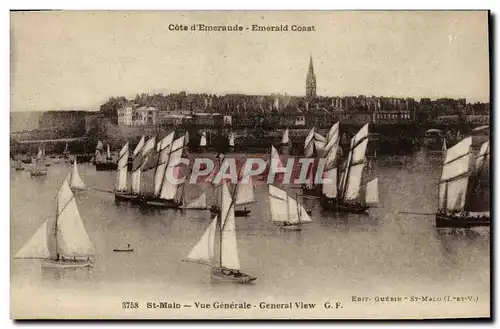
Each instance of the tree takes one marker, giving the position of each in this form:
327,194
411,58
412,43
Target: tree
110,108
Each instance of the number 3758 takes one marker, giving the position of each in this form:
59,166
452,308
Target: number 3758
130,305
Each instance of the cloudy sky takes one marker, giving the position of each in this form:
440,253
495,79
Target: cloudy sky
63,60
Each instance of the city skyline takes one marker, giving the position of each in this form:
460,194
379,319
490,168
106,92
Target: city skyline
63,60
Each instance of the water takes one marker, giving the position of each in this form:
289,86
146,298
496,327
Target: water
332,259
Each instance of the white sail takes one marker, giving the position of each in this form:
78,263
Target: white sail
458,149
331,157
203,139
186,137
444,144
309,149
121,179
309,137
276,161
285,139
371,193
360,135
231,140
482,158
333,133
99,148
203,251
245,193
139,146
72,238
320,146
198,203
455,177
354,182
136,168
455,168
148,166
296,212
330,189
359,152
163,148
36,247
229,248
278,203
319,137
108,153
76,182
169,187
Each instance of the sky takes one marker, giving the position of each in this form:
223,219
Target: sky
78,59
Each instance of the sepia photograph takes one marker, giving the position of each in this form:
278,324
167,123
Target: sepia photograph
250,165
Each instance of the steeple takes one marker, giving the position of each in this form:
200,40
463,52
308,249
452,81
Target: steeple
310,80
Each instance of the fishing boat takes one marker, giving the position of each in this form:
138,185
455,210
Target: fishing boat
163,191
18,165
228,267
39,168
286,212
464,186
104,161
128,248
352,195
61,242
75,181
200,203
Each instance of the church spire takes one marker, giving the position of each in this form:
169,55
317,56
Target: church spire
310,80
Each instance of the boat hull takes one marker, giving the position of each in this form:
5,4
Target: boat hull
38,173
103,166
126,197
160,203
227,275
237,212
123,250
291,227
447,221
335,206
49,263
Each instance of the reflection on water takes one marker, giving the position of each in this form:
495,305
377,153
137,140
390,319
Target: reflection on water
336,255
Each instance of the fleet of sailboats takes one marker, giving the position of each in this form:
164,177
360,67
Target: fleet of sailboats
63,241
351,195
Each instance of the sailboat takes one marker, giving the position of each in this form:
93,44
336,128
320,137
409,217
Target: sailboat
62,242
231,140
39,168
104,161
286,211
227,269
203,139
74,179
285,139
464,183
66,150
18,165
167,193
444,148
200,203
351,196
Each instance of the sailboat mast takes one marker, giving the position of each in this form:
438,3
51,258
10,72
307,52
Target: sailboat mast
220,227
